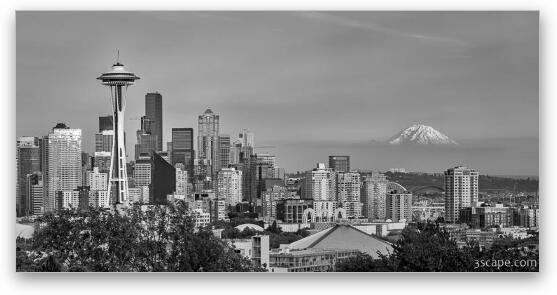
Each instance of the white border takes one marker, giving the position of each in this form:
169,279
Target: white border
544,282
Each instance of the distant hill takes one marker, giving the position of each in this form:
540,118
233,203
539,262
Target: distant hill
486,182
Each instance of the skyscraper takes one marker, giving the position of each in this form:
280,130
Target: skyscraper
28,162
118,79
461,190
320,187
163,180
104,141
142,171
224,150
348,193
247,139
105,123
35,193
229,186
398,203
374,194
153,111
182,149
339,163
63,172
208,139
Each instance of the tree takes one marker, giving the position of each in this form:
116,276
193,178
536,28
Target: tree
148,238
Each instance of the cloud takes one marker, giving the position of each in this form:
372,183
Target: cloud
372,27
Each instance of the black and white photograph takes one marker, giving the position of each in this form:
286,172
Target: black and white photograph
277,141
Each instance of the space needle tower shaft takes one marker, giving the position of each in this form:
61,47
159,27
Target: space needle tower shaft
118,79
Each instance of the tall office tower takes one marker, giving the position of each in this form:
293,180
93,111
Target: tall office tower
118,80
142,171
181,181
163,179
399,203
348,193
147,124
320,187
224,150
153,111
35,193
208,139
101,160
28,162
247,139
182,149
374,194
339,163
105,123
104,141
235,150
146,143
461,190
97,181
202,175
229,186
63,172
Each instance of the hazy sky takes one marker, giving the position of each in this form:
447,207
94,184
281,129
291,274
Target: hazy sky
288,76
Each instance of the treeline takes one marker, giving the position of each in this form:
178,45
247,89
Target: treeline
140,239
428,248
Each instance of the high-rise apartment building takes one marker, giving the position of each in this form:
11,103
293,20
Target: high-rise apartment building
320,187
339,163
28,162
374,196
348,193
35,193
182,149
181,181
97,181
461,190
63,172
229,186
398,203
153,111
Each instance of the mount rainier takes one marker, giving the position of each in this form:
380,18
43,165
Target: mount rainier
421,135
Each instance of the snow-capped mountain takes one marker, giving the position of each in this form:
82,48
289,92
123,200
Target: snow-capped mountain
422,135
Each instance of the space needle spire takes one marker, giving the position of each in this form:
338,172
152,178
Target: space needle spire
118,79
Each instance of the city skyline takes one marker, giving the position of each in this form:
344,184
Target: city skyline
453,78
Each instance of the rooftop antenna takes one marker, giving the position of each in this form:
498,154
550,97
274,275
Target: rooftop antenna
118,56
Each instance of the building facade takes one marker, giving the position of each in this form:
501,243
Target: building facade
63,172
461,190
348,193
229,186
374,196
153,111
339,163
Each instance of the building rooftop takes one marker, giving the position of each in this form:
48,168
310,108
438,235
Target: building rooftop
343,236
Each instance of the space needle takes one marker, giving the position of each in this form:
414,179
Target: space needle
118,79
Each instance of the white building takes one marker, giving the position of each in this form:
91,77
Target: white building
229,186
63,163
68,199
399,203
348,193
461,190
374,195
255,248
201,218
99,199
320,186
97,181
181,182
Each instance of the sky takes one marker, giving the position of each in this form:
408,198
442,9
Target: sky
298,79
